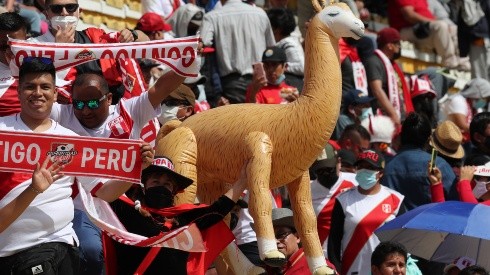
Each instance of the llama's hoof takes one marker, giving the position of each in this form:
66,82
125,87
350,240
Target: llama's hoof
324,270
274,258
256,270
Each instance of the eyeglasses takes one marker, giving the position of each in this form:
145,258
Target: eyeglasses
58,8
43,60
281,237
175,102
92,104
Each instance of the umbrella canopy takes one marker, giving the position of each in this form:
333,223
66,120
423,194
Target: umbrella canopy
442,232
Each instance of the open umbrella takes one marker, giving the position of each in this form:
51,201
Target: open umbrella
442,232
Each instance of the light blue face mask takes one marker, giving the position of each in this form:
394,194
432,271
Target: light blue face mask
279,80
365,113
480,103
366,178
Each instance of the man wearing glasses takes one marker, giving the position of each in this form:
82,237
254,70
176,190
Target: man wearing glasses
92,114
288,243
63,16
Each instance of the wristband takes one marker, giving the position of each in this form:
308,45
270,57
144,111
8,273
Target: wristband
134,33
34,189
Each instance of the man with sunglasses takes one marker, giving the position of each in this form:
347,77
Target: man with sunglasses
63,16
42,240
288,243
92,114
13,26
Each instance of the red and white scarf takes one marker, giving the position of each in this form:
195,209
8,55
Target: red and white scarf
394,73
178,54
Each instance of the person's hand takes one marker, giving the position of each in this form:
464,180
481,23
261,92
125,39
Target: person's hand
43,176
241,183
147,154
258,81
223,101
467,172
435,176
290,94
65,35
125,36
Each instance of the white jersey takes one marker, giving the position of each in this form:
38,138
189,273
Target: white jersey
48,217
323,200
125,120
9,99
379,209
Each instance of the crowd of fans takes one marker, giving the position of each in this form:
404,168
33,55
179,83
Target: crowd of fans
390,125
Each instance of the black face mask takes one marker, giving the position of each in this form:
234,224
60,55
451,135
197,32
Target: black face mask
328,180
397,55
159,197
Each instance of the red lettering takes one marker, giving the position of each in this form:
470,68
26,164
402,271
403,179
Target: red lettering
123,53
154,53
107,54
174,53
50,54
20,53
65,55
186,62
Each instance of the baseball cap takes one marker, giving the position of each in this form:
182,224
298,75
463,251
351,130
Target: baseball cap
163,164
355,97
274,54
461,263
387,35
374,158
184,93
151,22
347,156
327,158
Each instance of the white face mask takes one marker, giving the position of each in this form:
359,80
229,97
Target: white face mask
480,188
63,21
168,113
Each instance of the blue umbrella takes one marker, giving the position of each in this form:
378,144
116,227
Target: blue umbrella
442,232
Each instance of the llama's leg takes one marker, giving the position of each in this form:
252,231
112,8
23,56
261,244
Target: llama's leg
238,262
260,204
181,148
305,223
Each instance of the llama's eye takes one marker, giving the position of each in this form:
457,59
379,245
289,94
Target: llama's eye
334,13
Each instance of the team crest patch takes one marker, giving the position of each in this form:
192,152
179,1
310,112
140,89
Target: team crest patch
38,269
386,208
119,127
62,152
269,53
129,82
85,54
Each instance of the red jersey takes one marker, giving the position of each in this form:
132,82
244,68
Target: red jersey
395,16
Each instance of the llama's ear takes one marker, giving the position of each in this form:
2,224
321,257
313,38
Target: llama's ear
318,5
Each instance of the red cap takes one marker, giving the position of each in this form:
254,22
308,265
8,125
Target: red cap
387,35
151,22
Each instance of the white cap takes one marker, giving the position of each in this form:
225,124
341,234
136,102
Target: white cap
461,263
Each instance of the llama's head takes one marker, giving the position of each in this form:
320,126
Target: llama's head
341,22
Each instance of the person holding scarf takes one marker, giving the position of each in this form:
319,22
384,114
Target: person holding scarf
358,212
386,80
153,212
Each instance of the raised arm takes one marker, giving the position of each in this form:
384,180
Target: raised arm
42,178
113,189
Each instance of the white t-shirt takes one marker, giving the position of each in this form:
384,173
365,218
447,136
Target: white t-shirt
48,217
453,104
125,120
356,207
164,8
9,99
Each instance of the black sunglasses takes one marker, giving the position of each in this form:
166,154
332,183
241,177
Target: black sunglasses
175,102
58,8
92,104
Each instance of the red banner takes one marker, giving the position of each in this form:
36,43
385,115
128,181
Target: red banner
82,156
